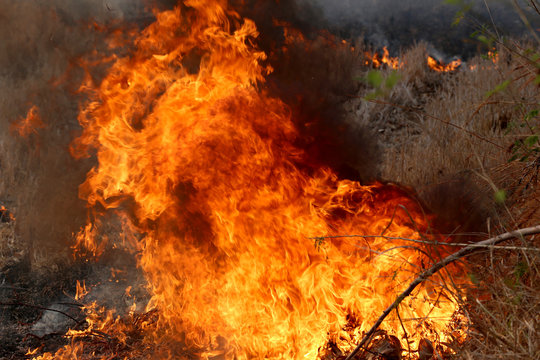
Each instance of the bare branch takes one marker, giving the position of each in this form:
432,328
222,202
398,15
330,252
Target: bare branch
16,304
479,245
438,266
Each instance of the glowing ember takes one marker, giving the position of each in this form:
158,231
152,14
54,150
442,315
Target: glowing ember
225,210
441,67
6,215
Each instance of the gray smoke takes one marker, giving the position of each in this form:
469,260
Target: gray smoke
41,42
400,23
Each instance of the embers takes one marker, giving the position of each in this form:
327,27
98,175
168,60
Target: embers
5,215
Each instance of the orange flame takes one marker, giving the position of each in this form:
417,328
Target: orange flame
378,60
227,213
28,125
493,56
6,215
441,67
81,290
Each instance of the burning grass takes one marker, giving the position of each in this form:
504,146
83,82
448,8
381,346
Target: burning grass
218,212
450,137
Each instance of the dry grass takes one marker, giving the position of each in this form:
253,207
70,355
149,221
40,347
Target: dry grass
439,134
11,251
443,136
435,125
41,43
505,311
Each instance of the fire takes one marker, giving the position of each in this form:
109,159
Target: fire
377,60
221,210
491,55
29,124
6,215
441,67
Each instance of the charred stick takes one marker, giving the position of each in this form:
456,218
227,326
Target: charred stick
438,266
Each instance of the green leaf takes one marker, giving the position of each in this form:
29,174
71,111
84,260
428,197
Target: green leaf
532,114
483,36
537,80
521,269
500,196
460,15
498,88
483,39
531,140
392,80
374,78
473,278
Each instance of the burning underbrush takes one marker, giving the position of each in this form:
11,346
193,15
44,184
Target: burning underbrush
231,210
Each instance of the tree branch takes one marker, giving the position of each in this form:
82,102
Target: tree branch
438,266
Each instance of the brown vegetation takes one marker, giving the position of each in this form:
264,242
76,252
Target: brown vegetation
449,138
442,134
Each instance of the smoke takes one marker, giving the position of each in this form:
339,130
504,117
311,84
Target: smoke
313,74
42,43
44,40
400,24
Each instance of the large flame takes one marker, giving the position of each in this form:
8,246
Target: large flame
201,161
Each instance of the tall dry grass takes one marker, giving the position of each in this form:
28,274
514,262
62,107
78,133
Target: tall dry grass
448,136
443,136
436,132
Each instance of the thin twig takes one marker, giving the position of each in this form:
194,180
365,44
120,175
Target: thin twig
526,21
435,268
479,245
404,331
535,6
492,21
38,307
